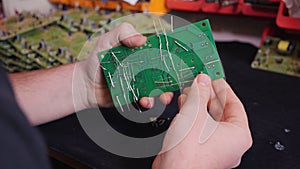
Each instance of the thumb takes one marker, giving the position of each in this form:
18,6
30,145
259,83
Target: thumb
115,36
192,114
196,107
198,96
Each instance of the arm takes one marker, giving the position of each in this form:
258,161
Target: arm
44,95
50,94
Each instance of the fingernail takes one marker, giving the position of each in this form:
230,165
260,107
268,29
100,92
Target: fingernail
203,79
149,103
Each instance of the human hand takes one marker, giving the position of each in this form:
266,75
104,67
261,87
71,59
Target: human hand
198,139
89,85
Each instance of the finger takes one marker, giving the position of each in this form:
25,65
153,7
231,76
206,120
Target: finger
216,106
118,35
216,110
147,102
114,38
186,90
219,87
198,95
192,114
181,100
166,97
234,110
134,41
217,102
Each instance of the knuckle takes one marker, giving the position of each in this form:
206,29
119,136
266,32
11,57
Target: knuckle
125,25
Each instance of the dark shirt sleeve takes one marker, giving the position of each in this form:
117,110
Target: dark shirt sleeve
21,145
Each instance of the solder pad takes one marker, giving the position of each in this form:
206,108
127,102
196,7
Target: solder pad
167,62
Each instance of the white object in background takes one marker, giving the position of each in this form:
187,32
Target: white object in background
293,6
11,6
131,2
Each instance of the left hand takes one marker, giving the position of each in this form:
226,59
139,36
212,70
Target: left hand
89,78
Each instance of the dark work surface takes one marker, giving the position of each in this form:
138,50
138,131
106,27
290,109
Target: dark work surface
271,101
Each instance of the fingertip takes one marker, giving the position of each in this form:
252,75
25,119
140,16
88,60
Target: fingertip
181,100
166,98
147,102
134,41
186,90
141,40
199,93
203,79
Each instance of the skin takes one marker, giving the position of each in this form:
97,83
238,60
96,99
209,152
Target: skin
227,141
47,95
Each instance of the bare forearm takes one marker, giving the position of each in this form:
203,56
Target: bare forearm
44,95
50,94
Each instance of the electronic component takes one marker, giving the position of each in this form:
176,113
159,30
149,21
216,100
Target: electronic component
268,41
285,47
167,62
278,55
30,41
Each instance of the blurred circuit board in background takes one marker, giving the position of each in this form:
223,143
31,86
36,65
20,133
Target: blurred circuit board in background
278,55
30,41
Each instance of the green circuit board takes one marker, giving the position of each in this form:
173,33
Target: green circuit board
30,41
168,61
278,55
22,23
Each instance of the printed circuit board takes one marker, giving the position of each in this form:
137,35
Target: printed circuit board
168,61
30,41
278,55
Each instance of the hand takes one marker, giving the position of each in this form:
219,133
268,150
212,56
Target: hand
89,85
197,139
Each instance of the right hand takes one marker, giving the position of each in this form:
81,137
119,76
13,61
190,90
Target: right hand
207,143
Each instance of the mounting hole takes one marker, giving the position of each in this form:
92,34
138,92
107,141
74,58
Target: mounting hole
203,24
218,73
193,60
